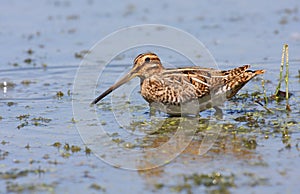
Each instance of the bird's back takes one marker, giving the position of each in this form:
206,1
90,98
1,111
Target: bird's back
177,86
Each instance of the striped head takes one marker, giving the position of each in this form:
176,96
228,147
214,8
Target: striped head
144,66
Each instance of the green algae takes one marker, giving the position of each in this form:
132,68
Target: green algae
97,187
214,182
15,173
36,121
59,94
57,144
29,188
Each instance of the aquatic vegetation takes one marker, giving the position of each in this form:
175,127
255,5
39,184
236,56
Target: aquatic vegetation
75,148
22,117
30,51
28,60
97,187
87,150
59,94
67,149
40,121
81,54
3,154
214,182
278,93
15,173
7,84
57,144
27,146
11,103
36,121
38,187
3,142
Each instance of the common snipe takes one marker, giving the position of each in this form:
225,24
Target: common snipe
172,88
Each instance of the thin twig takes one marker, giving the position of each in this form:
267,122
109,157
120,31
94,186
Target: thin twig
264,91
269,110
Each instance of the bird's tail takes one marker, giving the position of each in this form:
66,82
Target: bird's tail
238,77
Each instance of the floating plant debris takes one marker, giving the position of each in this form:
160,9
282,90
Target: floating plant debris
59,94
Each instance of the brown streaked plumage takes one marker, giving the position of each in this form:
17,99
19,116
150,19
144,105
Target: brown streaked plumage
172,88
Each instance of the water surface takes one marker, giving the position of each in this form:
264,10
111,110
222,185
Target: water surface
41,47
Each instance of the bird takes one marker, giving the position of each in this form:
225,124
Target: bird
171,90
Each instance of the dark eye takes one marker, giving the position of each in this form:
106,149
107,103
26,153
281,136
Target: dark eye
147,60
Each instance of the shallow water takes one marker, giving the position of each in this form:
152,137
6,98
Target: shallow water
255,151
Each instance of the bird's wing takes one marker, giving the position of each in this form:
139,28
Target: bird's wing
176,86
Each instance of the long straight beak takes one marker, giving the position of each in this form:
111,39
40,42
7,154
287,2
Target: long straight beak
122,81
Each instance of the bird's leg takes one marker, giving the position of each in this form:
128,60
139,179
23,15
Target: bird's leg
218,113
152,110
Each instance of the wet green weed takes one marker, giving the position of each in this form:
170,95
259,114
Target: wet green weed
15,173
30,188
214,182
35,121
66,150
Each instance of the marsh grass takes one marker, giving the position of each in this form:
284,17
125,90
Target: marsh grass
284,61
279,95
